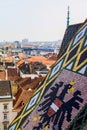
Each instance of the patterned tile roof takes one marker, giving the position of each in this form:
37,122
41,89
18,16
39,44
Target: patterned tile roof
80,121
63,93
69,33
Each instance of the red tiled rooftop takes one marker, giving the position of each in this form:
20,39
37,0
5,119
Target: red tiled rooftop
21,99
24,81
34,84
51,56
2,75
21,55
42,59
20,62
12,73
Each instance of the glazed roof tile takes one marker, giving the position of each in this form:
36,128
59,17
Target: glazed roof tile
69,33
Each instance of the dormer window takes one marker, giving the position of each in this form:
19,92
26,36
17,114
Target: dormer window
22,103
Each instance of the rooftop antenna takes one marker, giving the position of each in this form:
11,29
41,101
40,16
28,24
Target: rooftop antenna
68,17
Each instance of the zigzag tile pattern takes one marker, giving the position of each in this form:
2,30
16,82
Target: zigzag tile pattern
63,93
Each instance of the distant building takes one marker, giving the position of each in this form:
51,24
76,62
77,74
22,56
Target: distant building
6,105
25,40
17,44
16,51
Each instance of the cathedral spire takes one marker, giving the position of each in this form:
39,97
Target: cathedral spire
68,17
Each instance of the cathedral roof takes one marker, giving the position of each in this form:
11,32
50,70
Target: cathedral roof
60,102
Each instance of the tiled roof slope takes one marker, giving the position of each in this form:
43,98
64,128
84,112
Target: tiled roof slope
12,73
23,82
37,66
41,59
51,56
80,120
21,98
69,33
33,84
5,90
63,93
2,75
26,88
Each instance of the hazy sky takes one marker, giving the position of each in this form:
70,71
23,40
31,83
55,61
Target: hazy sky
38,19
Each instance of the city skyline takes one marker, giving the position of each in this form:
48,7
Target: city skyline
38,20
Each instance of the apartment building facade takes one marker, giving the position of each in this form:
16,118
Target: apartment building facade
6,105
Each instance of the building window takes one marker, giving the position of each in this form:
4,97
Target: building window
5,126
5,116
5,107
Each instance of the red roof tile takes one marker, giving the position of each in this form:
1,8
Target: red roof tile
21,99
12,73
2,75
41,59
